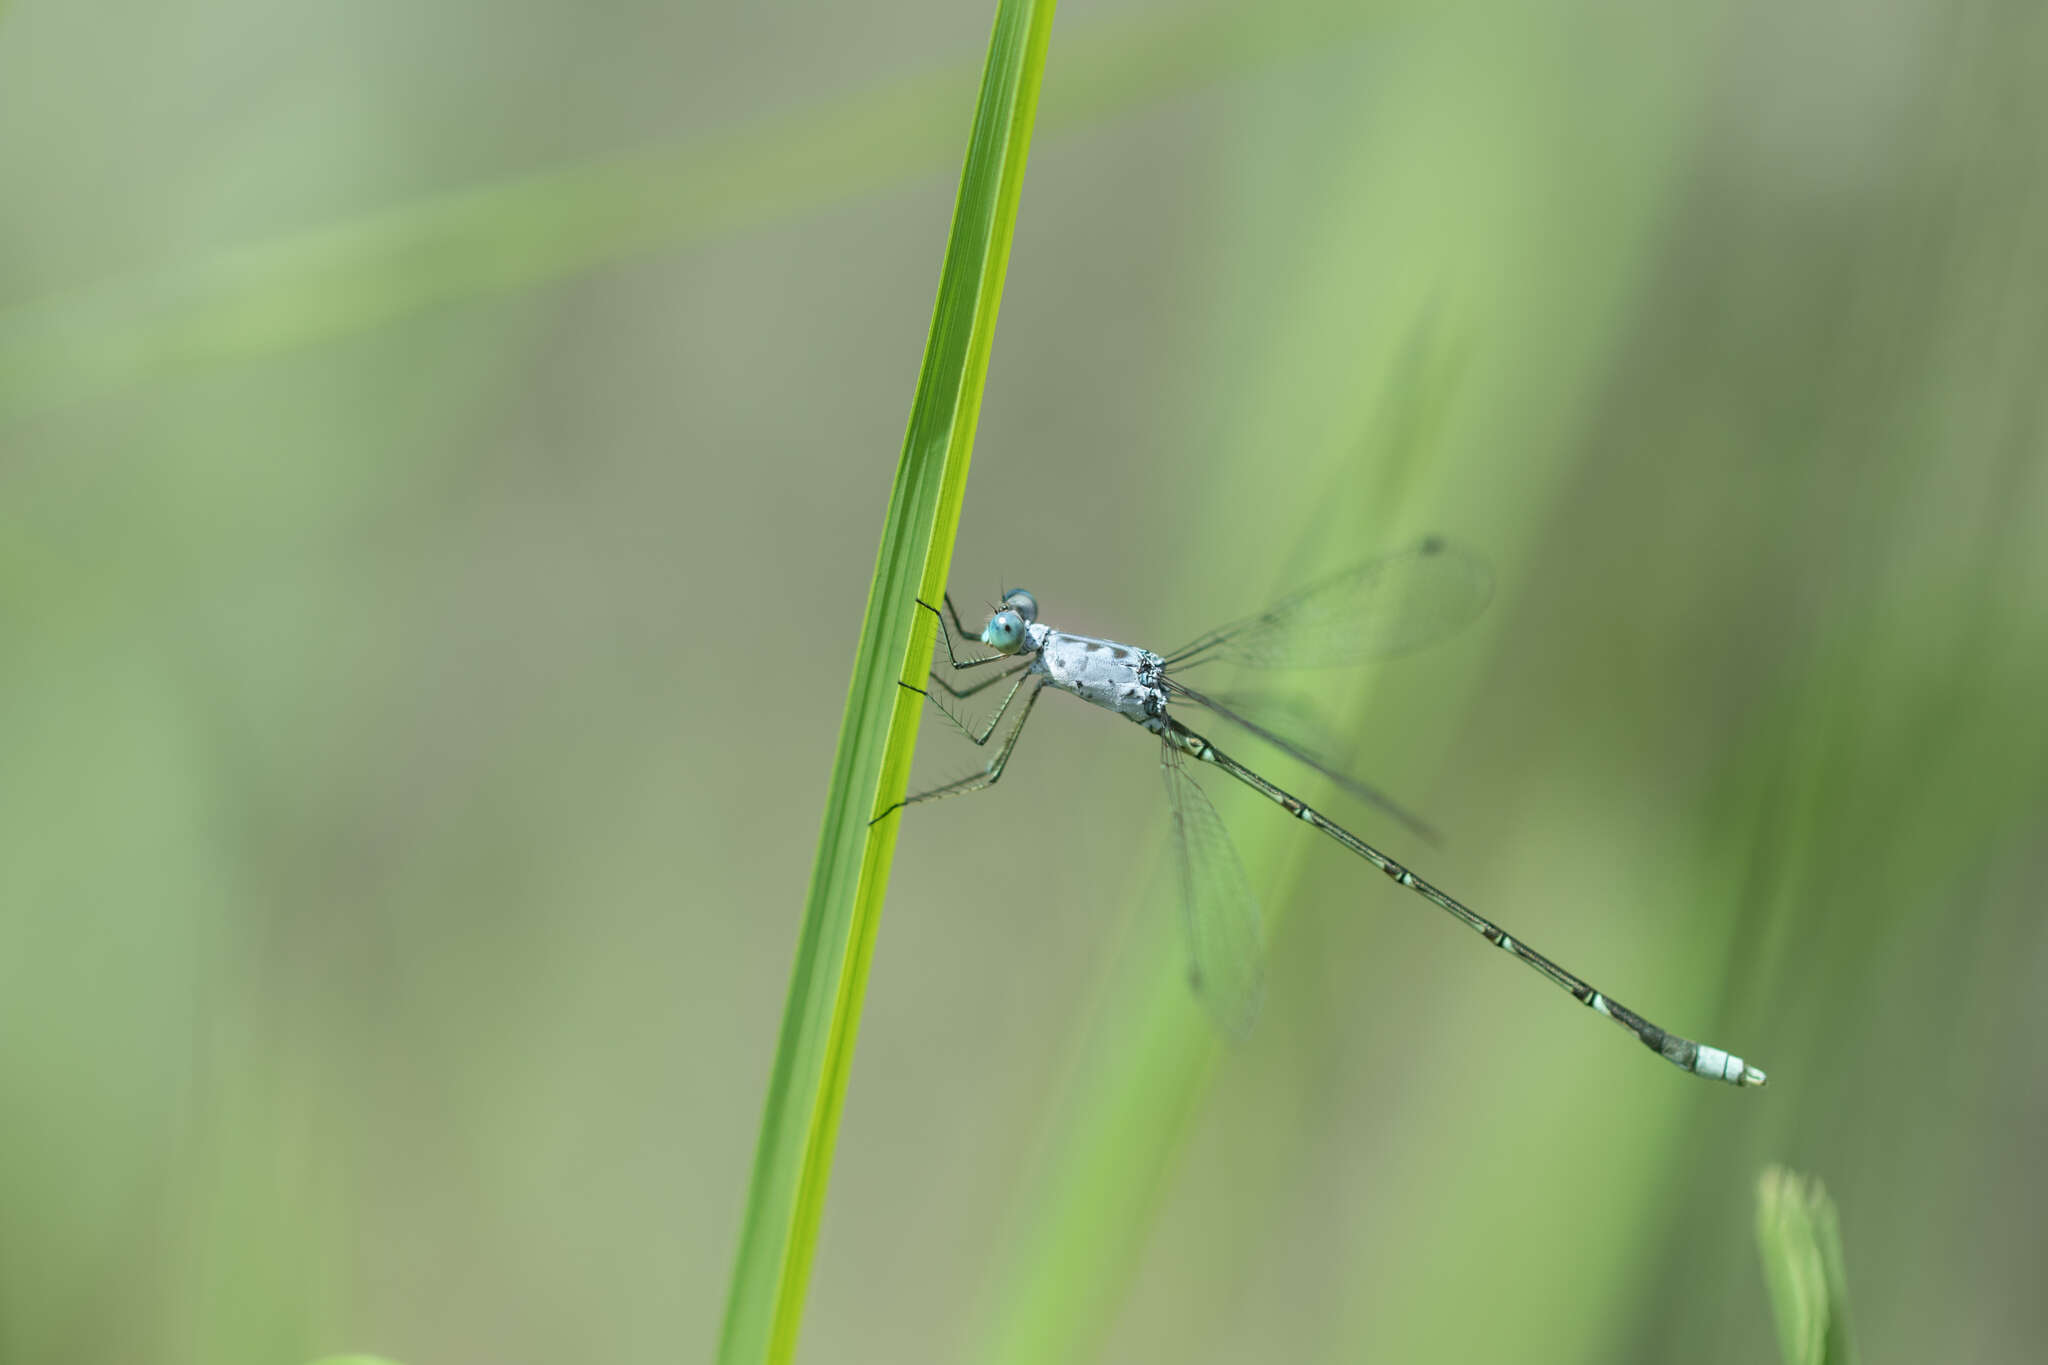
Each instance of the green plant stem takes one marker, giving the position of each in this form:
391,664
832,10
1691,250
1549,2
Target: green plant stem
793,1159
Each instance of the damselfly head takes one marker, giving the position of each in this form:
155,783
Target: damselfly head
1004,632
1021,602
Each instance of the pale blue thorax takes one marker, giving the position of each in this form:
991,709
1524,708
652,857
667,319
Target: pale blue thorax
1117,677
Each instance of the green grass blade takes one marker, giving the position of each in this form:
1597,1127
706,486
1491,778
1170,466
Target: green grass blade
1800,1240
793,1159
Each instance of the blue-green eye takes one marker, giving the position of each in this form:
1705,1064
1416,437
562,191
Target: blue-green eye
1023,603
1005,632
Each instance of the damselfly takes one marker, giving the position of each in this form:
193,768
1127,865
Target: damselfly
1373,610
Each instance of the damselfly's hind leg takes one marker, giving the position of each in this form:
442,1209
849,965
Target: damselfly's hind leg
988,776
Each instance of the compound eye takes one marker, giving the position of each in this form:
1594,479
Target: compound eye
1005,632
1023,603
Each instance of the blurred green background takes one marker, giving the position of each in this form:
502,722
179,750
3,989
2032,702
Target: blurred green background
442,452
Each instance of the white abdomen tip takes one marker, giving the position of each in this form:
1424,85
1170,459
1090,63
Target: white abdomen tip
1717,1065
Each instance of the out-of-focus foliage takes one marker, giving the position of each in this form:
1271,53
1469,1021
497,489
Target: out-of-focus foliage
416,726
1799,1237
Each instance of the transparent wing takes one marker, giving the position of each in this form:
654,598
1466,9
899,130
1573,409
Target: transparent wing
1226,951
1291,726
1372,610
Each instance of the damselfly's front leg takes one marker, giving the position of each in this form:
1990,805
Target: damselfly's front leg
946,636
954,612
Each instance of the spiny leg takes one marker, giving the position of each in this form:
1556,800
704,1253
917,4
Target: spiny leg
946,636
990,775
963,693
961,725
1684,1053
954,612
